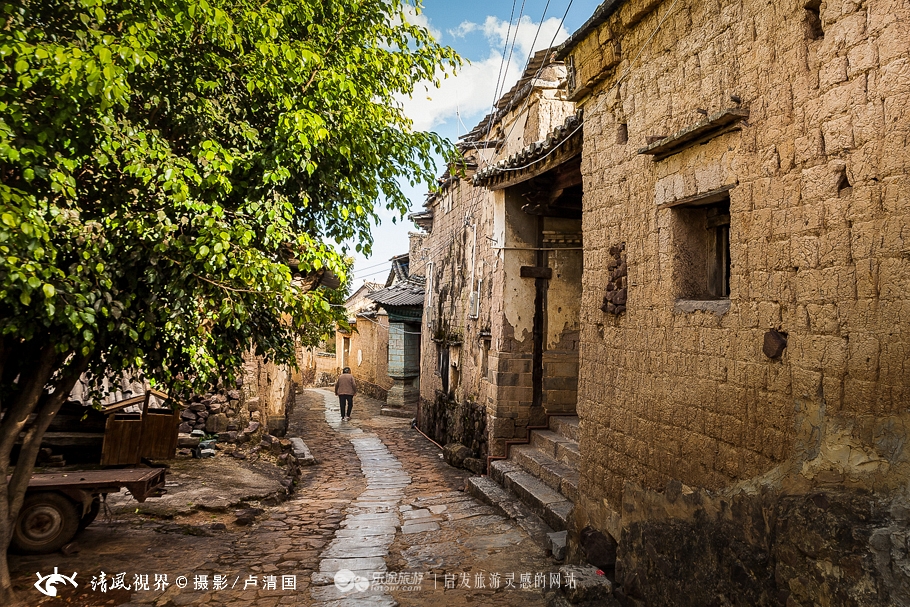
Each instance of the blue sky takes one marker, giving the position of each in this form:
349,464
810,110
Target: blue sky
478,30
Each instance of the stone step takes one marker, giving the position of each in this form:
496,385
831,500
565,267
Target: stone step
543,500
558,475
565,426
491,493
401,412
556,446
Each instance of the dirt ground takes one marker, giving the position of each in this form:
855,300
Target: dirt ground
453,542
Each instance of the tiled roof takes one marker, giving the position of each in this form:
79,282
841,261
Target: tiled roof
401,269
407,293
534,152
423,219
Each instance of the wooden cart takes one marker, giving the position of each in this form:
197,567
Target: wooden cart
150,433
57,506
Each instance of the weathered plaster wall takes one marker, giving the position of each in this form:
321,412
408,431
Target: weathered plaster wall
317,368
826,527
819,219
490,384
270,389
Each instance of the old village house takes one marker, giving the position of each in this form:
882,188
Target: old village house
735,177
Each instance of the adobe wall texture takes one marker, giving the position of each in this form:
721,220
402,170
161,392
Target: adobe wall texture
270,389
680,391
827,266
450,259
317,368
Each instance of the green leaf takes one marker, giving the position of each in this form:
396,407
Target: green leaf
49,290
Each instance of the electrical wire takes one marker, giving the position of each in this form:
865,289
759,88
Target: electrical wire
603,94
623,76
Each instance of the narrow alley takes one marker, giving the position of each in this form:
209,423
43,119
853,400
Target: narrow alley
380,520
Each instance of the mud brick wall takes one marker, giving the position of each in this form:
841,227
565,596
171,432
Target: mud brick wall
447,257
826,527
270,388
819,237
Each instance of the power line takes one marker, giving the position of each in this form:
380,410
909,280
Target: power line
603,95
359,276
527,99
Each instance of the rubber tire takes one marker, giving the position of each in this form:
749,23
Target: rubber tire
46,522
90,516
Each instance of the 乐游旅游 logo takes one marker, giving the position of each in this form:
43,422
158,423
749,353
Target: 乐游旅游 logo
346,580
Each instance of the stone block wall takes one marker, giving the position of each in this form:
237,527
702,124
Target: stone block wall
679,389
271,388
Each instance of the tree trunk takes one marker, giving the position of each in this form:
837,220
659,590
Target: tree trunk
7,596
44,390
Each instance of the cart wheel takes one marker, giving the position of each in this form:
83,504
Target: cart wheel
46,522
89,516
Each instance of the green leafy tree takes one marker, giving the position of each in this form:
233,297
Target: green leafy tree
170,172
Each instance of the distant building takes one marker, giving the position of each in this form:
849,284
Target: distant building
402,301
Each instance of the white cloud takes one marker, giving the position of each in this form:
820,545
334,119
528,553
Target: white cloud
471,91
463,29
467,94
527,39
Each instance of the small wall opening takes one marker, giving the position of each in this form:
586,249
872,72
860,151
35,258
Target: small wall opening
701,234
442,365
622,134
814,29
485,359
455,367
844,187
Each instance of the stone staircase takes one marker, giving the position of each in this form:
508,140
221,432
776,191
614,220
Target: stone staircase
538,484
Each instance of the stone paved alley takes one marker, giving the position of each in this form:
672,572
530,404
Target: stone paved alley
380,501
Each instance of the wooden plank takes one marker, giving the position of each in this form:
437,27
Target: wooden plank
123,404
712,126
536,272
121,442
698,200
159,435
88,478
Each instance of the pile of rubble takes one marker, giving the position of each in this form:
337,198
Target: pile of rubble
223,423
214,413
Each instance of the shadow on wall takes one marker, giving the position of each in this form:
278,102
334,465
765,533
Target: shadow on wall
460,427
829,527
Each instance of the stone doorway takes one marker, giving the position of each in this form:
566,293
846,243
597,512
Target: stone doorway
553,200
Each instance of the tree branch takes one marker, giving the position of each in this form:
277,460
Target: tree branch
24,403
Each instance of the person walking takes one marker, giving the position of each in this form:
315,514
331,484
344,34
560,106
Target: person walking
345,389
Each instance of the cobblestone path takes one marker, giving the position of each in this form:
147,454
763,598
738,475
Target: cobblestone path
380,506
368,529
